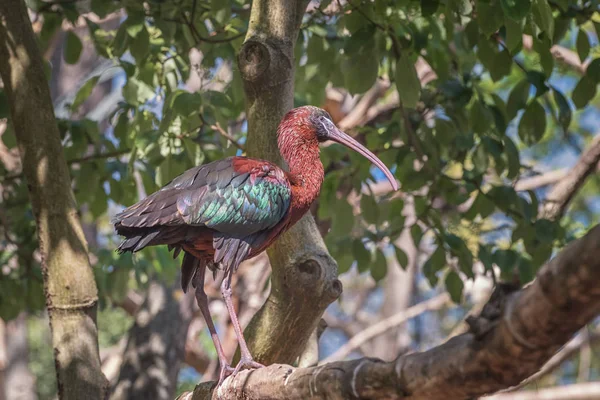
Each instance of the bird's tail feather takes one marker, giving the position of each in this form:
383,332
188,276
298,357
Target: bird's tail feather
189,268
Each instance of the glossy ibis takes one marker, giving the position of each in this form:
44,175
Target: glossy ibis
227,211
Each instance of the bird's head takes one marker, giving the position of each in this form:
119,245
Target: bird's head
309,125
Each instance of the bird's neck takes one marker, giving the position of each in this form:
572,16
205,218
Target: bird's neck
305,168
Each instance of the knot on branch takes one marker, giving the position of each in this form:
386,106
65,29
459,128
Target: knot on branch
265,62
254,59
310,277
492,311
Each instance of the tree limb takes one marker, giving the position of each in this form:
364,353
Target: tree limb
538,181
515,334
560,196
69,285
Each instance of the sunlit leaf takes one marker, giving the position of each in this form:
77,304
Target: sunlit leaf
84,92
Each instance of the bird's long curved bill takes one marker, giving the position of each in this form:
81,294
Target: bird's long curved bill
340,137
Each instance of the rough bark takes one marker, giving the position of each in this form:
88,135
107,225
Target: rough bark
304,275
515,334
155,347
70,289
19,381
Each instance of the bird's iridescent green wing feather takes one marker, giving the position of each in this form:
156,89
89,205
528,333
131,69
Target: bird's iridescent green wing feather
237,196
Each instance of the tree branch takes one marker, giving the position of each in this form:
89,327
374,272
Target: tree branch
560,196
538,181
515,334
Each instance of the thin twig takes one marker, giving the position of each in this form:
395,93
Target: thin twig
217,127
78,160
385,325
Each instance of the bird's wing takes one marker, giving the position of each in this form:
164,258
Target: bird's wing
236,196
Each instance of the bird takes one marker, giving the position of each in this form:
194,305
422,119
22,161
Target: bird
226,211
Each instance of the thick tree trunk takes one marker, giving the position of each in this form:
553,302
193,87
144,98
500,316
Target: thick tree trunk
19,381
70,289
304,280
155,347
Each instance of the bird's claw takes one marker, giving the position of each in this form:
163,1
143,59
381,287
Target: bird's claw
226,371
246,363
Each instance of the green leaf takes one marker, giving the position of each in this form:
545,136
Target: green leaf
73,48
542,15
533,123
140,46
137,92
526,271
542,47
481,161
416,234
546,230
360,72
516,9
402,258
361,255
584,92
480,117
506,260
593,70
343,257
134,25
564,109
9,138
517,99
429,7
369,209
454,286
407,81
538,80
489,17
481,206
582,45
514,33
513,158
436,262
84,92
343,219
379,266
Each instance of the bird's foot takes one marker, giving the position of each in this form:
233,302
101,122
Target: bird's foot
246,363
226,371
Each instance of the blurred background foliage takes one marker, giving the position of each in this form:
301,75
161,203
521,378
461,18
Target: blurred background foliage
467,102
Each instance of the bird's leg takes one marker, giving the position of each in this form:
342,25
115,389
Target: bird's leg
246,358
202,300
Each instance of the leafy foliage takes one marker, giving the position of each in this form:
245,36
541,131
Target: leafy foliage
493,107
